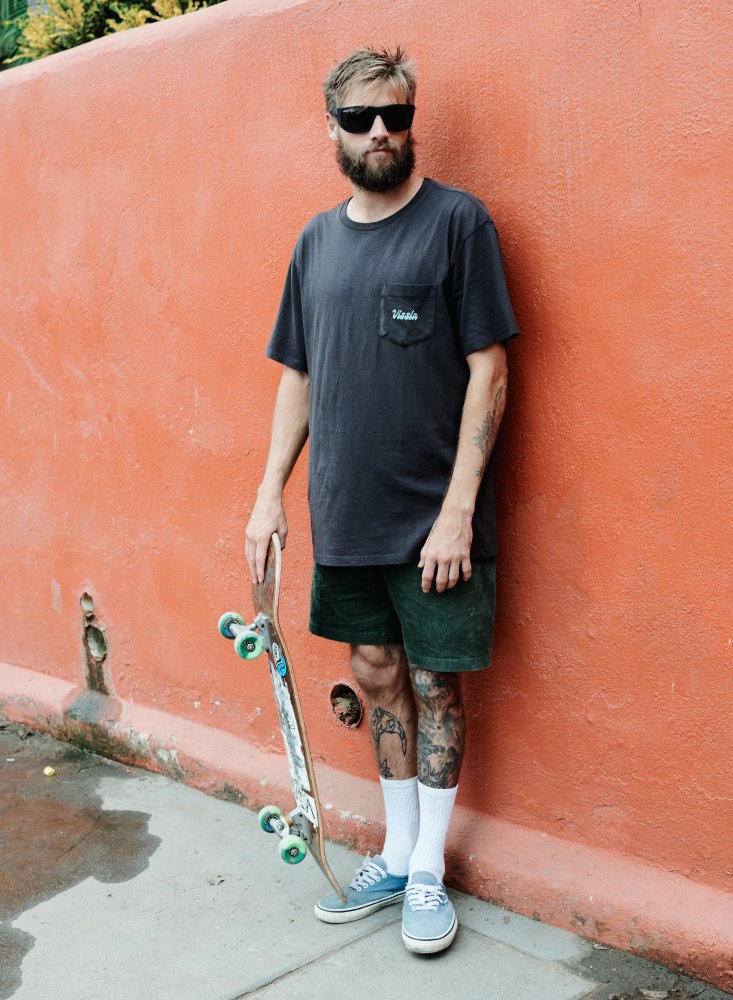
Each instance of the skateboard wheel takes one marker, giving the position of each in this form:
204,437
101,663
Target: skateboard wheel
248,645
266,814
227,619
293,849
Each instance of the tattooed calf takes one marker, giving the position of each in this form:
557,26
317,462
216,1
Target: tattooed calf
443,773
440,729
383,723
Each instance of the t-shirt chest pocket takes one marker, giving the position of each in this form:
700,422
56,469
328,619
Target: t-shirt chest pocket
407,313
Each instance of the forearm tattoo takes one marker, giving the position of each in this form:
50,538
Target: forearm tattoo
383,723
440,729
486,434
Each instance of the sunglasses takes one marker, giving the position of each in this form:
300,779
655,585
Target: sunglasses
396,117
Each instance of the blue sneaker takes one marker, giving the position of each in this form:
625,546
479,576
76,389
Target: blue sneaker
371,888
429,921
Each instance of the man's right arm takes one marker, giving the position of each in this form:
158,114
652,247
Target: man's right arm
289,434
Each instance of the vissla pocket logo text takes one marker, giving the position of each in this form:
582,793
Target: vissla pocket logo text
400,314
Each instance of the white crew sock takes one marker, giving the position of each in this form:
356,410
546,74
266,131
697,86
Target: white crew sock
403,820
436,808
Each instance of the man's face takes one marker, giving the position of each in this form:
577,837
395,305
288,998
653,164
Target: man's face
377,160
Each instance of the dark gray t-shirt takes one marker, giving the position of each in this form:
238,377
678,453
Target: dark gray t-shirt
382,315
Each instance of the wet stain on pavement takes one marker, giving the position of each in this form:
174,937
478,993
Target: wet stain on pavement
55,832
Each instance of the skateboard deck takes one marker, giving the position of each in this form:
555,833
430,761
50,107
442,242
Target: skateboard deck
300,830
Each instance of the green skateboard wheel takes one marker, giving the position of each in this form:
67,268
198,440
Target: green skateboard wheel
248,645
227,619
293,849
266,814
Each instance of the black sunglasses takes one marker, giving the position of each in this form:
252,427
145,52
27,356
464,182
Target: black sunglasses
396,117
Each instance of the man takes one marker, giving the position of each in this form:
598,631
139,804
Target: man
391,330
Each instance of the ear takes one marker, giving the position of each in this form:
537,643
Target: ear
333,127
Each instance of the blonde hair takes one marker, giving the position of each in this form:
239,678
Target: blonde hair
367,66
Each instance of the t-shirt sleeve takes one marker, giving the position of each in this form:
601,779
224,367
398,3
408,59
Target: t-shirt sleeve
483,310
287,341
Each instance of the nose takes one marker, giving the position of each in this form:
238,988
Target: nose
378,129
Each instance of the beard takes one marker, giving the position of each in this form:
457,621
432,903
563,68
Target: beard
378,177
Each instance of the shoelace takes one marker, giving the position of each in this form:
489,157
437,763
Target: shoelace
425,897
369,874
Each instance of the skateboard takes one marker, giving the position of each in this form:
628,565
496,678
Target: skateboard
300,830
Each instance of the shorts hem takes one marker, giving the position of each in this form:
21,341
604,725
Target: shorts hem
448,664
352,637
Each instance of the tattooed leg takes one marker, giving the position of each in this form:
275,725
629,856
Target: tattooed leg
440,727
384,678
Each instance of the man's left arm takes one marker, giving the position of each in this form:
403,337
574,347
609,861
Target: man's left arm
447,552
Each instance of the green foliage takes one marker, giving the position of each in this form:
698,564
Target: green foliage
9,34
11,17
12,9
63,24
128,15
132,15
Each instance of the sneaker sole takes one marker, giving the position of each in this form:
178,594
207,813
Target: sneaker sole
346,916
431,945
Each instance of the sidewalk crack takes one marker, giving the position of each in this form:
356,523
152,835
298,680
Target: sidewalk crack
298,966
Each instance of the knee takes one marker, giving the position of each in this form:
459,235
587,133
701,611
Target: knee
379,669
438,692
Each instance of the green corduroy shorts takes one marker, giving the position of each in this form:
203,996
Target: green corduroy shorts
381,605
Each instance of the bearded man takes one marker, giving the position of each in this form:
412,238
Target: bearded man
392,331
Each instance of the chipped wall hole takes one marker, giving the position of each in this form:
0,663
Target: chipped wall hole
97,642
94,647
346,705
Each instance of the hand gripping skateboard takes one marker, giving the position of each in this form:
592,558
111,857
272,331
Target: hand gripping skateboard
301,829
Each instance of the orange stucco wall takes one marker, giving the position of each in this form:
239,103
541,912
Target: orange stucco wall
151,188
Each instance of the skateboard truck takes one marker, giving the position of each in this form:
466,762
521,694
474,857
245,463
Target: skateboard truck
250,640
291,828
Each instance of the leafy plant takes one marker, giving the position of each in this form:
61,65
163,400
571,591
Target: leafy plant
63,24
132,15
11,18
9,34
129,15
10,10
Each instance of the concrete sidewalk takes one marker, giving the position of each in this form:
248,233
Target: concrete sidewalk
119,883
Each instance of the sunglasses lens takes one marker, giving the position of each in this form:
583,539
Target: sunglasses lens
398,117
357,119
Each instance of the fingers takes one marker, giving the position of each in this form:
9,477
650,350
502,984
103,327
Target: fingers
252,560
250,551
255,549
446,573
261,558
267,519
428,572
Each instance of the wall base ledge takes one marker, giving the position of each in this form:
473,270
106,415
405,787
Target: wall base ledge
619,901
